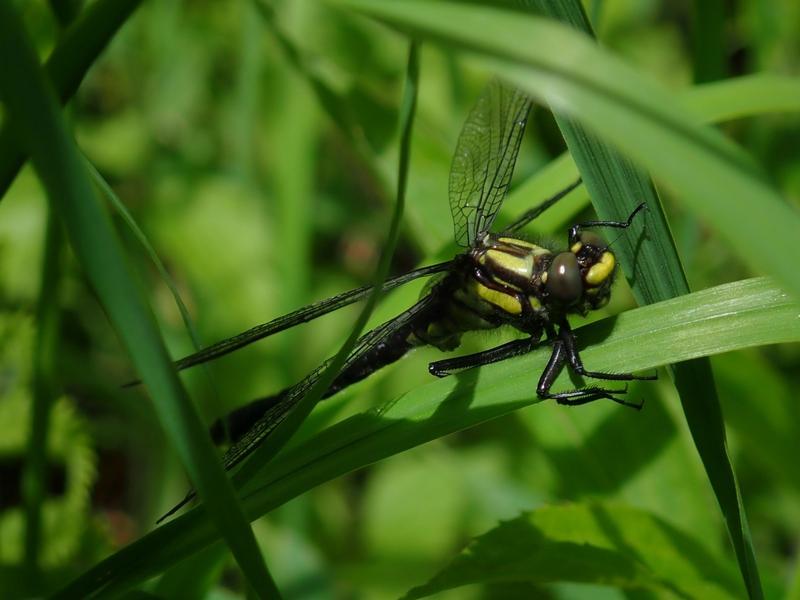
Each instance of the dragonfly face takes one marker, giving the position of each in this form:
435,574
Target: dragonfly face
508,281
580,280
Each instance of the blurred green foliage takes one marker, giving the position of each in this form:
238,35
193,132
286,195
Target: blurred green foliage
261,193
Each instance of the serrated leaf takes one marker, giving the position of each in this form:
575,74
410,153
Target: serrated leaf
601,544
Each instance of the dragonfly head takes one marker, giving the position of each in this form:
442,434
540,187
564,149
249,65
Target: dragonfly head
579,280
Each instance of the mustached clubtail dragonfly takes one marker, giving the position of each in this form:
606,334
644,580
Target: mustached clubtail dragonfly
498,280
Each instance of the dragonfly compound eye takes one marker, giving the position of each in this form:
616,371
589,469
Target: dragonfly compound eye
564,282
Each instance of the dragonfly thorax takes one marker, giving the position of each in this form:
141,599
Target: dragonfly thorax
511,262
508,281
529,282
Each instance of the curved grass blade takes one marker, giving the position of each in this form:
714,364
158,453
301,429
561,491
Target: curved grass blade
45,390
735,98
77,50
655,273
128,219
268,448
721,319
716,179
743,96
36,119
747,313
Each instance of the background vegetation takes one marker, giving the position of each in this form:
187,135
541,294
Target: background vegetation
256,145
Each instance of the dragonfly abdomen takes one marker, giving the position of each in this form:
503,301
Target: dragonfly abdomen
236,424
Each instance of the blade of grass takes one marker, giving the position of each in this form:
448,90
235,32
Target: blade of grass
628,109
616,187
34,114
736,98
278,438
714,177
48,319
44,391
721,319
66,67
140,236
709,47
743,96
337,109
332,102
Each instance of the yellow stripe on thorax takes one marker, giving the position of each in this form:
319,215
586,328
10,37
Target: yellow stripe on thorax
505,302
535,250
520,265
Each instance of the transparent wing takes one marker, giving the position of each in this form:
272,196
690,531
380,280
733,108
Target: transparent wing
367,342
302,315
288,399
484,159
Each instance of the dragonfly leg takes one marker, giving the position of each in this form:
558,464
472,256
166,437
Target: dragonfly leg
576,364
574,231
560,356
443,368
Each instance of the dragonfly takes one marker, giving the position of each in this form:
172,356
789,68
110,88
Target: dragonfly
498,280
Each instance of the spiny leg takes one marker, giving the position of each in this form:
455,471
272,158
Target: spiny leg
568,337
558,358
443,368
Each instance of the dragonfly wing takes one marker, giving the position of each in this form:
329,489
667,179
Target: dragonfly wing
484,159
301,315
289,398
366,343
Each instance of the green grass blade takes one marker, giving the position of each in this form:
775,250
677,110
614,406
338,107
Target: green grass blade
625,108
721,319
655,273
278,438
708,40
140,236
743,96
77,50
716,179
334,105
740,97
35,117
45,391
